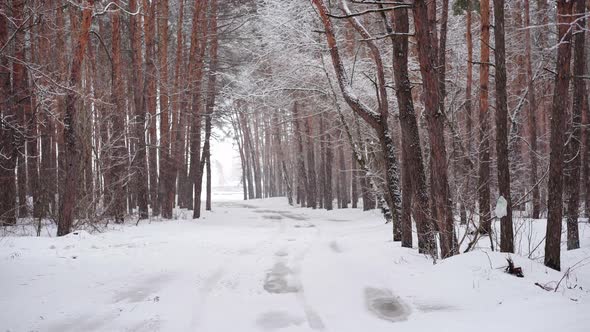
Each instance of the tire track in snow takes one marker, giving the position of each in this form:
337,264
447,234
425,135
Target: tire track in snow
313,318
285,277
212,281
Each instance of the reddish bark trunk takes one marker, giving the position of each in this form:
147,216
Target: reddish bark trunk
414,177
166,193
342,181
327,171
7,135
140,160
558,115
211,94
532,117
197,51
484,132
435,120
506,230
178,122
22,106
467,201
72,148
311,176
119,158
256,156
573,148
149,91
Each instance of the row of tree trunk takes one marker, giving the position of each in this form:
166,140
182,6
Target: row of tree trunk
431,203
301,155
100,117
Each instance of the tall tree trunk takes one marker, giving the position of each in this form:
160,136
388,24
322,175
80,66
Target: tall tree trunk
197,52
33,155
435,121
586,131
484,132
129,134
99,57
506,231
47,168
86,142
442,53
178,103
7,137
311,176
140,160
414,176
211,94
342,181
268,164
468,116
186,184
119,152
211,91
210,103
60,43
532,117
573,148
103,91
302,184
558,115
166,193
544,102
327,171
34,128
256,156
149,88
72,148
50,177
46,186
441,68
22,104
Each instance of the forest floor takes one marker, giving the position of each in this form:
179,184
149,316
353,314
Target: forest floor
261,265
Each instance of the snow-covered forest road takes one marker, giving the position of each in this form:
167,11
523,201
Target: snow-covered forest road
261,265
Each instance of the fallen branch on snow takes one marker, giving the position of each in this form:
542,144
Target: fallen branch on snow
511,269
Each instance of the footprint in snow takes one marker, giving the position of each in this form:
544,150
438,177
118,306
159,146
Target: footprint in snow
383,304
277,280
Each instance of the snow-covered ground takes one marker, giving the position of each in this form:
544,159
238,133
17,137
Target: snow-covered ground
262,265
